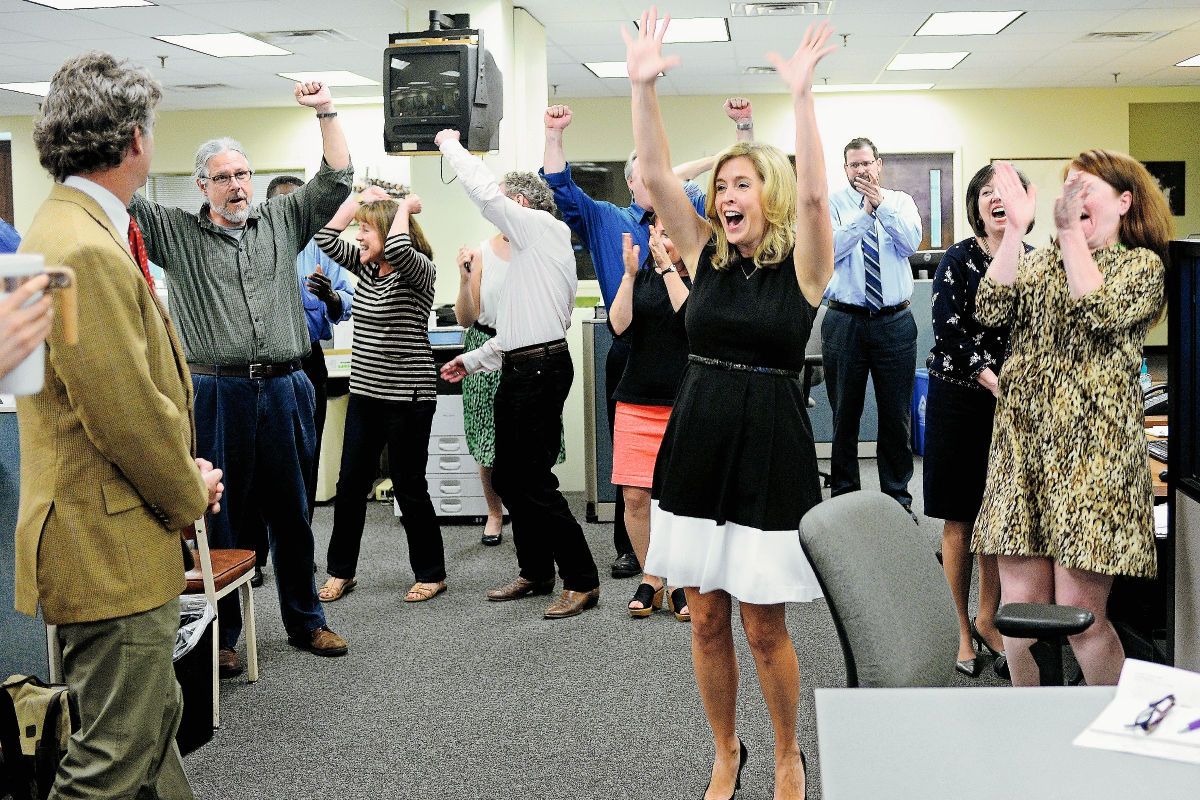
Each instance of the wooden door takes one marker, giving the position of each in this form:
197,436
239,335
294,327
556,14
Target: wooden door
6,188
929,179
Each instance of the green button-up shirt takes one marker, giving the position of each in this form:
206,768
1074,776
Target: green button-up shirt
238,301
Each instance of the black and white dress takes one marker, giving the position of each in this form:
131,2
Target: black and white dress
738,468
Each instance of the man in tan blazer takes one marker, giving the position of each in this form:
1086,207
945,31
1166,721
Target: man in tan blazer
108,475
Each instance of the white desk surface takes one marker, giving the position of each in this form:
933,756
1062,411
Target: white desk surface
981,742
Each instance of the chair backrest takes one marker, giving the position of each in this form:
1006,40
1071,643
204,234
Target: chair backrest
889,599
199,531
813,346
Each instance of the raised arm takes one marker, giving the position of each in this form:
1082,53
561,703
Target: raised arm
644,59
813,255
470,274
620,316
1020,205
556,120
1083,276
414,266
316,95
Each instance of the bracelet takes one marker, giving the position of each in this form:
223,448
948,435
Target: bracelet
328,114
745,125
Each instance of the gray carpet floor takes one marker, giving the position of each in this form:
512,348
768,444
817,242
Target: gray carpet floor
461,698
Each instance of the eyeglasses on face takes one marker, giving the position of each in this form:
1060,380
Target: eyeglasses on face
861,164
1153,714
242,176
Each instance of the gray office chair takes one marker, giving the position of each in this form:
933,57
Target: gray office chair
814,371
1049,624
890,602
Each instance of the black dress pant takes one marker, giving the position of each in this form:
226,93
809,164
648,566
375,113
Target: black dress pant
528,411
614,368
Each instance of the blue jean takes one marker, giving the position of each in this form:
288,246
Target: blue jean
855,346
261,433
404,426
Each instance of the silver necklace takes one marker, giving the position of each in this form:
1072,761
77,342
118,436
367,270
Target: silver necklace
749,274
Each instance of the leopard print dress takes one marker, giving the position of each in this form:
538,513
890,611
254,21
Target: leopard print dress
1068,476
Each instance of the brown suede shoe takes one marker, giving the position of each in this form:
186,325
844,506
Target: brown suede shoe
519,588
228,665
323,642
571,603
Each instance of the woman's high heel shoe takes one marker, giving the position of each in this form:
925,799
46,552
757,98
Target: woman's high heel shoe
649,597
979,640
970,667
741,763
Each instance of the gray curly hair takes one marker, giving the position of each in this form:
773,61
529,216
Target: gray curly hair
90,113
214,147
534,189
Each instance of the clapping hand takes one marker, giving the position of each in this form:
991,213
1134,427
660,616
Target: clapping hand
1020,204
314,94
1069,208
630,252
868,188
797,72
739,109
658,250
643,53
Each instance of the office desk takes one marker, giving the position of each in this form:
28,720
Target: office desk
994,742
1160,487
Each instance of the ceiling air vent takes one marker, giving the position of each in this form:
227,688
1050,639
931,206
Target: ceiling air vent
1123,36
758,71
282,38
780,9
201,87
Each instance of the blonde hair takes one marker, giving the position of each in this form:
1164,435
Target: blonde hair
778,204
380,214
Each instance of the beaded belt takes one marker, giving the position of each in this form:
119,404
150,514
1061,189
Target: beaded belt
255,372
716,362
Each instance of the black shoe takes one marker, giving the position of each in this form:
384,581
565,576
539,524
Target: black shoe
971,667
492,541
1000,667
979,640
257,580
741,763
626,566
908,508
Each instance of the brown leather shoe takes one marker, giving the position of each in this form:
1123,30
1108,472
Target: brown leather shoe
571,603
322,642
228,665
519,588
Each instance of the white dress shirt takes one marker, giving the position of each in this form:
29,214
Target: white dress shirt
108,201
898,225
539,290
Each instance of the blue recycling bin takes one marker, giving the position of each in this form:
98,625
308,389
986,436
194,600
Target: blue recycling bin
920,394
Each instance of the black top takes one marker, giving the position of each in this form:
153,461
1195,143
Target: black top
658,342
962,347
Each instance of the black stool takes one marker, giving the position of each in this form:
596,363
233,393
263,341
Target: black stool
1048,624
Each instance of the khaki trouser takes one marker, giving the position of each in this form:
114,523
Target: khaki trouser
120,675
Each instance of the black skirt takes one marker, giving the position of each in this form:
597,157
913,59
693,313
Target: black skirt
958,437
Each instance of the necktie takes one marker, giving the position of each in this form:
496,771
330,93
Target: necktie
870,251
138,248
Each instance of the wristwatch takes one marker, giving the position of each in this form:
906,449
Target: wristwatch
745,125
666,269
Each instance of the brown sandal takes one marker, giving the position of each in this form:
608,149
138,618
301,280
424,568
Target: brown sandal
328,594
424,591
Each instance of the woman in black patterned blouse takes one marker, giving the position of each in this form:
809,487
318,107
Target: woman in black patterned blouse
964,366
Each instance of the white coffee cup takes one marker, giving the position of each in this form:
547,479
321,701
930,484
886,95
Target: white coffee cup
28,376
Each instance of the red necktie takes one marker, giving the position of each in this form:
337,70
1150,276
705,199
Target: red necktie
138,248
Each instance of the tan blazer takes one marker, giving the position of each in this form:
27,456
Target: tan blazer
108,475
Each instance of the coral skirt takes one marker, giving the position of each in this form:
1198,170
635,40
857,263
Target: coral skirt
637,436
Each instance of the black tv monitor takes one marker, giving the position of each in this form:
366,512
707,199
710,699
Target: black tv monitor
429,87
1183,375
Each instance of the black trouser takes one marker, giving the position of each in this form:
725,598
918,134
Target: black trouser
614,368
402,425
254,530
528,411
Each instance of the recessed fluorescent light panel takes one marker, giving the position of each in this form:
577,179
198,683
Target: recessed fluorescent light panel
906,61
337,77
225,45
38,88
870,87
1194,61
75,5
968,23
608,69
695,29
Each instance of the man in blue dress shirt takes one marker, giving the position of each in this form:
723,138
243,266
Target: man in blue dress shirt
328,297
868,329
599,225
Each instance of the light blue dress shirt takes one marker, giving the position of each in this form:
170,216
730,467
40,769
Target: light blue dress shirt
898,225
316,313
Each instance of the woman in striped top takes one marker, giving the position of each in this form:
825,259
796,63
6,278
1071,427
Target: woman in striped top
392,386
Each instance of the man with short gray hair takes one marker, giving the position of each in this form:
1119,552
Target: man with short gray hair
231,272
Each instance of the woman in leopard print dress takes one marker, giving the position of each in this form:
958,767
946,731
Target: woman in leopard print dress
1069,503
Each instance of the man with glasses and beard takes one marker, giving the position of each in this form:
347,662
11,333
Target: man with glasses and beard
231,273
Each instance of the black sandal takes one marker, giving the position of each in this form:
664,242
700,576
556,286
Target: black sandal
677,599
649,597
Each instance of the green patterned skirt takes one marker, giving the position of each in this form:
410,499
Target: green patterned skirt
479,398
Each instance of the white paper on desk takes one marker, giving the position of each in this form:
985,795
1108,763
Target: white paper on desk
1141,684
1160,521
1157,430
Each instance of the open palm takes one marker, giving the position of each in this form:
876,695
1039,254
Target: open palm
797,71
1020,204
643,53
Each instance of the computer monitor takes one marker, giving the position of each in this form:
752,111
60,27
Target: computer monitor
1183,334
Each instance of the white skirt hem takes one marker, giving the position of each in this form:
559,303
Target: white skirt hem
755,566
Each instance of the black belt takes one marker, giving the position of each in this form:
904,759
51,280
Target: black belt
863,311
255,372
716,362
535,351
479,326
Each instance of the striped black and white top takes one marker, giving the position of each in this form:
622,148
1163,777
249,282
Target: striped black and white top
392,359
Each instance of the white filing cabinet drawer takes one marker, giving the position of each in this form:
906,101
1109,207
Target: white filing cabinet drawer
454,486
453,463
444,445
448,419
455,507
